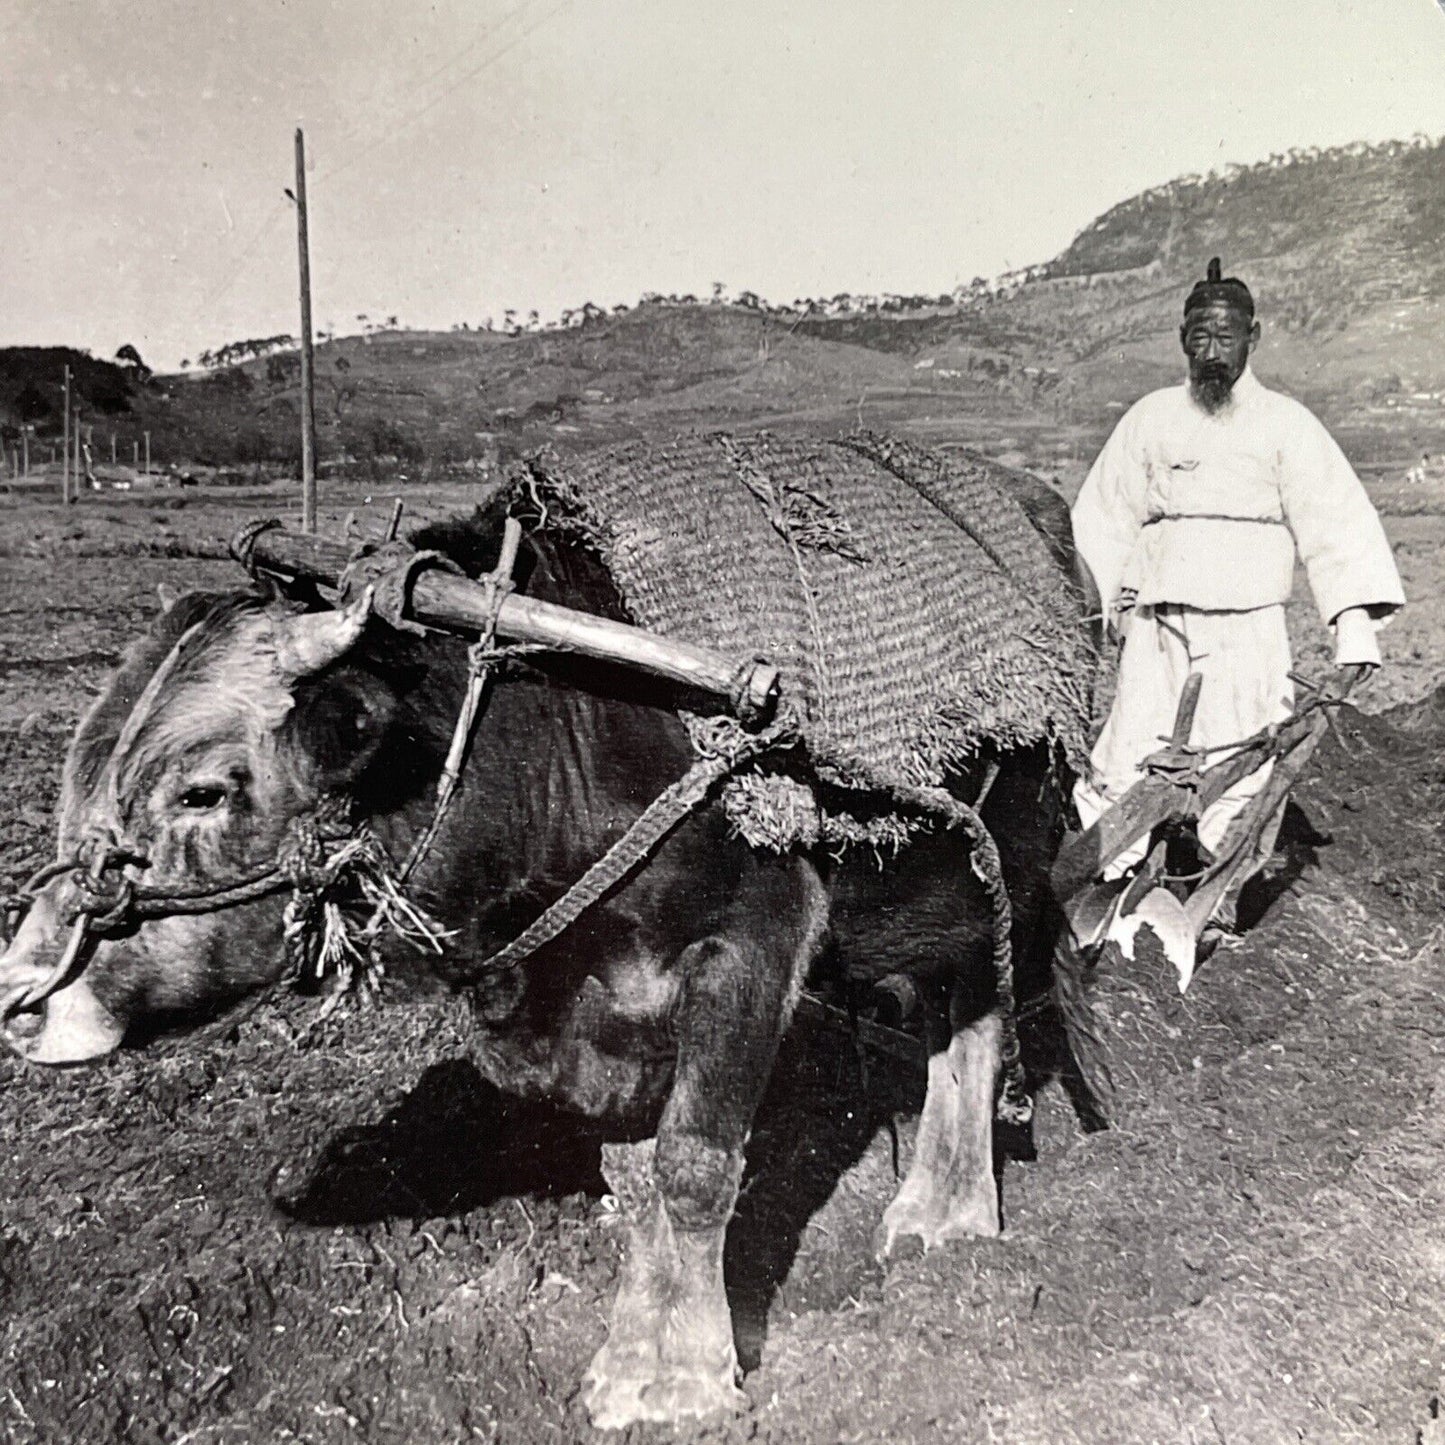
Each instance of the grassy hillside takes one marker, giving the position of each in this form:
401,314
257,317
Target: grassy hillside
429,400
1345,252
1344,249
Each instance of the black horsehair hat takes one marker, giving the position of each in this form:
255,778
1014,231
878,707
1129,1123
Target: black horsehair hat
1229,289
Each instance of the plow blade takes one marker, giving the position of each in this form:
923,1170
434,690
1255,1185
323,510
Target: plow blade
1155,800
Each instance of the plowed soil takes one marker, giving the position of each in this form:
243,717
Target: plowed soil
288,1229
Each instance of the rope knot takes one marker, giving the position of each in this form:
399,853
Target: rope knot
302,856
106,894
390,569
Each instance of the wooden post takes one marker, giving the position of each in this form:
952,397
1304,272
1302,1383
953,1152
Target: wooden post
148,454
308,361
65,446
75,474
112,448
135,456
25,451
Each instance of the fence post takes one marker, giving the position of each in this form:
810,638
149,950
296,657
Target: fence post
65,446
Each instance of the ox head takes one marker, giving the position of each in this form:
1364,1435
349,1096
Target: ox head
233,717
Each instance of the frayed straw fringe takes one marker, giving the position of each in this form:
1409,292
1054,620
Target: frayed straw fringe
322,938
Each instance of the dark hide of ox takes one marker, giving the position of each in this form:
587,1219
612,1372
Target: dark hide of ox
660,1011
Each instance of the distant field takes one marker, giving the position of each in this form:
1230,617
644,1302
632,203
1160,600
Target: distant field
334,1231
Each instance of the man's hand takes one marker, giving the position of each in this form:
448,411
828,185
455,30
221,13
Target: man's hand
1355,641
1121,614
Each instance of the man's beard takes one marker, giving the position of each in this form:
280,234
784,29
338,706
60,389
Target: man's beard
1211,388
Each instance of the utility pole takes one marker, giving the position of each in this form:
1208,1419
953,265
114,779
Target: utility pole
308,363
76,473
65,446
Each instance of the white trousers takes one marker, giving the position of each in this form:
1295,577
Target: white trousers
1244,659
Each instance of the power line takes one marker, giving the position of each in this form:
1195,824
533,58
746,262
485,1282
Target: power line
408,120
458,57
396,128
220,289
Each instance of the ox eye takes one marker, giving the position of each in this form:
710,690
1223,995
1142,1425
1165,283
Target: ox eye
201,797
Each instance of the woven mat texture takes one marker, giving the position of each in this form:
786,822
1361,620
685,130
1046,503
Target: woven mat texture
914,610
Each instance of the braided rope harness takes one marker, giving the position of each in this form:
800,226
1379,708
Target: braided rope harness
331,863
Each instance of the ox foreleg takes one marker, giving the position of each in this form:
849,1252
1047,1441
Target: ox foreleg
950,1191
670,1353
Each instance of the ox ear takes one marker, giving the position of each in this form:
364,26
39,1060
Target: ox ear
337,726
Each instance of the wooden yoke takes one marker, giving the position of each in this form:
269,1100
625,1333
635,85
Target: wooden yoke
750,687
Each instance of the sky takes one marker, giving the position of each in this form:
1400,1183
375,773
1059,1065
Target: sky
469,156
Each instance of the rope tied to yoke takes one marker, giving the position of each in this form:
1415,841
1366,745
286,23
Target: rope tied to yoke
1014,1104
657,820
805,519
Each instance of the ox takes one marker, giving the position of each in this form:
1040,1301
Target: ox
660,1012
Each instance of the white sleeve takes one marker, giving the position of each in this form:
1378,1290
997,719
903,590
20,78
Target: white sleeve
1109,509
1336,528
1355,640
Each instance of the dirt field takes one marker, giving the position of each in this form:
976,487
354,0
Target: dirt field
286,1230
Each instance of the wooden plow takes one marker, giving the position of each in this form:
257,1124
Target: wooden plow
1176,788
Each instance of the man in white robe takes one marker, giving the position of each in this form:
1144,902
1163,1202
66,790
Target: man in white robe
1190,520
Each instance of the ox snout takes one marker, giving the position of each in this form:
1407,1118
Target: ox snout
67,1026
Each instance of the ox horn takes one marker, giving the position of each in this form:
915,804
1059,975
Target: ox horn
310,641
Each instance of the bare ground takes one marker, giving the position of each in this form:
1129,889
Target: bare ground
286,1230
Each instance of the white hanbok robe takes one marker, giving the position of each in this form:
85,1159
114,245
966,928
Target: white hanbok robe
1201,514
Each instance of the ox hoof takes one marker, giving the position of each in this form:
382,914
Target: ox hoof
617,1399
934,1222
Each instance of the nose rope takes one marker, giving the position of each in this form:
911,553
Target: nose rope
107,896
109,901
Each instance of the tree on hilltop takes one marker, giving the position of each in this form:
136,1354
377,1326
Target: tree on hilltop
130,359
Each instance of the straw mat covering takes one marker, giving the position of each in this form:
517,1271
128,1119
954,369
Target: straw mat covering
913,608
